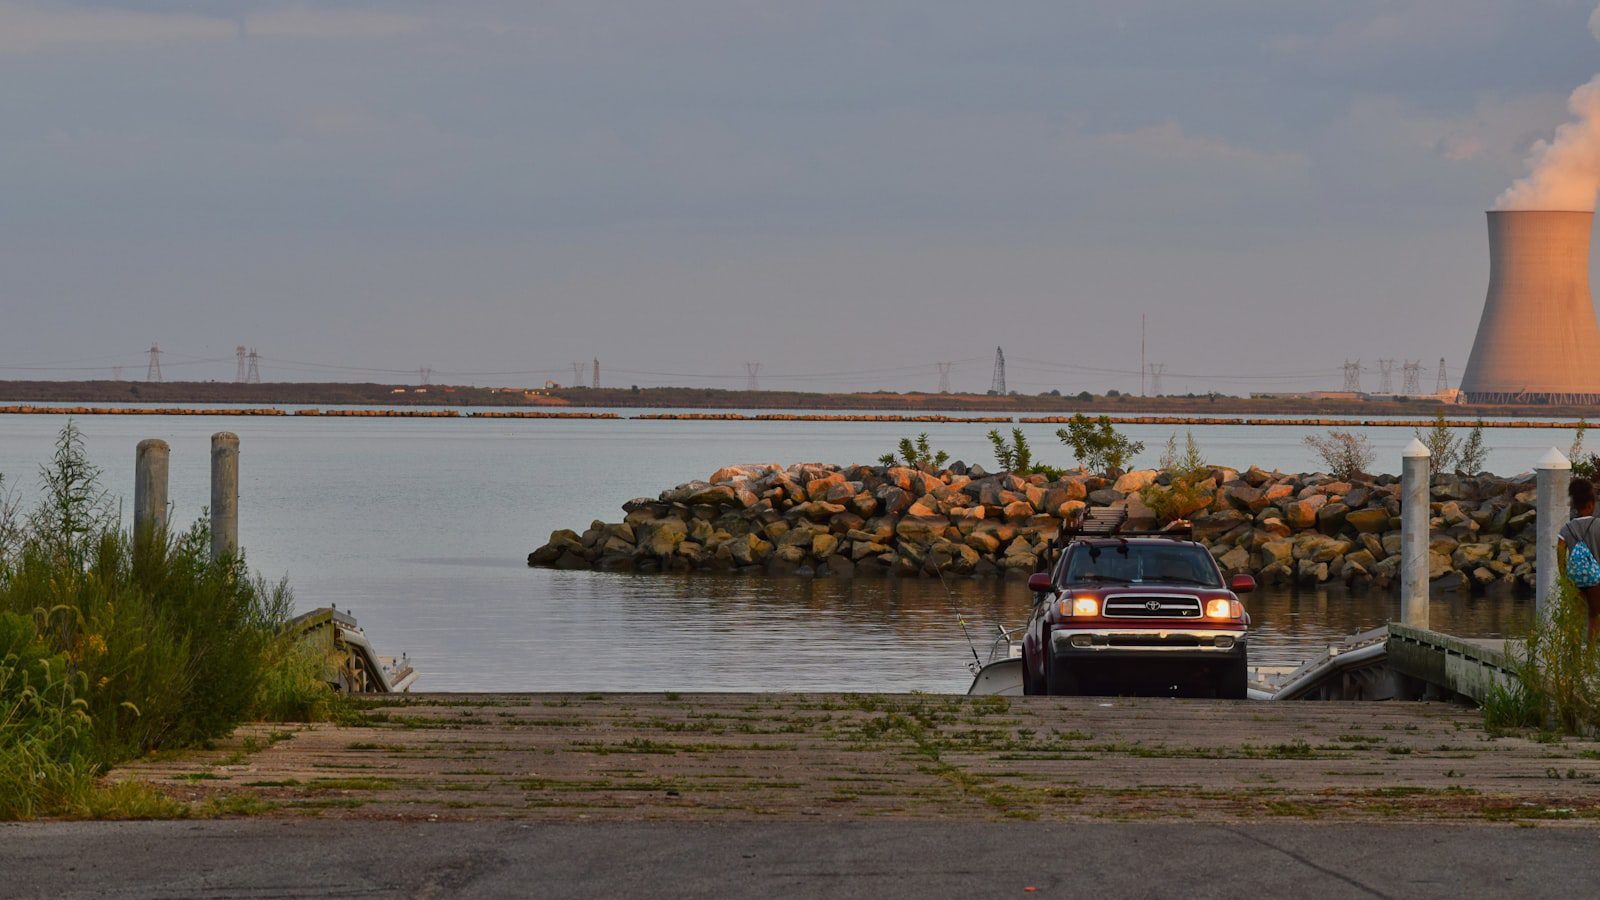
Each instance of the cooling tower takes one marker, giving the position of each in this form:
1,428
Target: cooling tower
1538,341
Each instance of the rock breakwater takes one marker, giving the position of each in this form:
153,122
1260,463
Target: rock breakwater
851,521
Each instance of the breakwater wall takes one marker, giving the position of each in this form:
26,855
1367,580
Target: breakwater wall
862,521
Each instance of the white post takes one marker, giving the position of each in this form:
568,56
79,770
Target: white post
1552,473
1416,464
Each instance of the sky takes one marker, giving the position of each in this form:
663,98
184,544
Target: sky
846,193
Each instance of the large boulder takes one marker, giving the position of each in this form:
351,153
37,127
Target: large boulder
663,537
1331,518
921,530
1135,481
1302,514
1368,521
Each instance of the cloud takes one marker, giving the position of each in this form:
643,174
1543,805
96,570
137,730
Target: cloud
35,28
1594,23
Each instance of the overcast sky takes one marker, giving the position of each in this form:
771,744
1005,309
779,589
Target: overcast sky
683,187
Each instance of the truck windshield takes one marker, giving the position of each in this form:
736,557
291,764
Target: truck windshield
1135,563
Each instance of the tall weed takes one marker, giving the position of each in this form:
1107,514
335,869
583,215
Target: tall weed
1558,673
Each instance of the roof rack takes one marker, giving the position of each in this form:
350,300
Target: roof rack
1107,522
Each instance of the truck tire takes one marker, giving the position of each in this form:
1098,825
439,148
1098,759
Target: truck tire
1059,680
1233,680
1030,685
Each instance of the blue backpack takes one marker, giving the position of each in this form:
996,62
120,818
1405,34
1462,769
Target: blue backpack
1582,567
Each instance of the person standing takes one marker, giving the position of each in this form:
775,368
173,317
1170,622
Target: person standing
1579,549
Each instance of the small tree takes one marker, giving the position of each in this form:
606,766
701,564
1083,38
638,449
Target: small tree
916,454
1473,453
1346,455
1098,446
1016,456
1444,447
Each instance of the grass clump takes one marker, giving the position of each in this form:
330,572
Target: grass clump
111,650
1557,685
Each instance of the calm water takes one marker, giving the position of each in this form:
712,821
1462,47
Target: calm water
422,527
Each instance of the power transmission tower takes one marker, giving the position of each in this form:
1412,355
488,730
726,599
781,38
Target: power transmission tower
253,373
577,374
116,373
998,385
1156,371
1385,376
1141,354
944,377
240,369
1443,384
153,373
1412,380
423,374
596,384
1352,376
753,376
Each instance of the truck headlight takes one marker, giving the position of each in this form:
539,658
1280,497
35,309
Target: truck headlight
1081,606
1221,608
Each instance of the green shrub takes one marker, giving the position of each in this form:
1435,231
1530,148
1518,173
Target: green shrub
1016,456
1097,445
918,454
1183,495
106,653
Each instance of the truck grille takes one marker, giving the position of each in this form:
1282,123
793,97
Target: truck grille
1149,606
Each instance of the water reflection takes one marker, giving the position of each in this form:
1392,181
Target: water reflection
607,631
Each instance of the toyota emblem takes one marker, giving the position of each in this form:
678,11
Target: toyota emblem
1152,605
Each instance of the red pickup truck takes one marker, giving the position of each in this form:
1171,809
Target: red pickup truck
1126,615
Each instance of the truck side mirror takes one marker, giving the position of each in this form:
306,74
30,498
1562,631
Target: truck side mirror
1039,582
1242,584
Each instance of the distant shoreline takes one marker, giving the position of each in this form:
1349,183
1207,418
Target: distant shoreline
338,394
434,412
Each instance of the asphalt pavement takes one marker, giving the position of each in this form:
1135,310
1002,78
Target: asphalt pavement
353,858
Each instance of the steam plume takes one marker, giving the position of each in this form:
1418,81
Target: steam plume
1564,172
